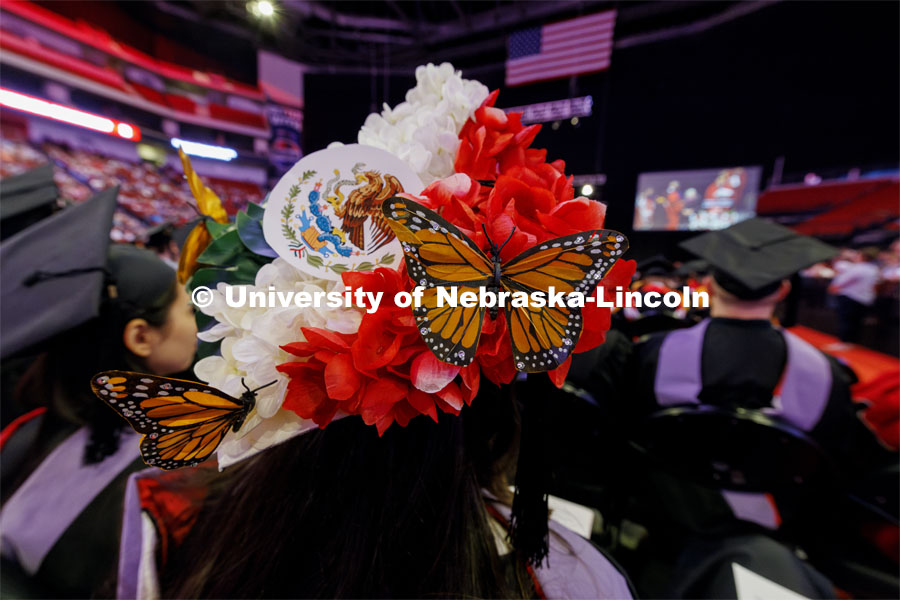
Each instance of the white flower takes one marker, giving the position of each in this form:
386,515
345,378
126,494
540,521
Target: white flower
424,130
251,349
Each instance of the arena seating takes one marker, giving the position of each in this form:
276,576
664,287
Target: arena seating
148,195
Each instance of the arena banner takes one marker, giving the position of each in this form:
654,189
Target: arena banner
285,149
281,80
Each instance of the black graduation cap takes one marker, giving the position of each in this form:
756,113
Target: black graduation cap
751,258
181,233
26,198
159,235
698,266
53,273
655,265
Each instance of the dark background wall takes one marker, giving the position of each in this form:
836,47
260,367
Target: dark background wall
815,83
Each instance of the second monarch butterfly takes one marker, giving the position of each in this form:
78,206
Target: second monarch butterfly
182,421
439,255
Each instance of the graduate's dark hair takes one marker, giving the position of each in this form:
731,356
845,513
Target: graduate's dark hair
60,377
344,513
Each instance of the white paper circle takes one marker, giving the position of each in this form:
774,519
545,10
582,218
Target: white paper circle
324,216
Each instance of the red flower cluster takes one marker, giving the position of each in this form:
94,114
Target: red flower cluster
384,372
532,199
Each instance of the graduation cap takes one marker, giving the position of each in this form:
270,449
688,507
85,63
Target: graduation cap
26,198
698,265
751,258
657,265
53,273
159,235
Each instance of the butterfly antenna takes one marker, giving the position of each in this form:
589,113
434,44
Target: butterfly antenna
490,241
507,240
273,382
244,384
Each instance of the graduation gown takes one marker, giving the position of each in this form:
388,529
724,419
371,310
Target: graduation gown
736,363
59,529
739,363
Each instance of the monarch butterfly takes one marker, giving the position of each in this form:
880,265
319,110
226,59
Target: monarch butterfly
182,421
439,254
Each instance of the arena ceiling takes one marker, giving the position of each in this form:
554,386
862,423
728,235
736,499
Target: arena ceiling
393,35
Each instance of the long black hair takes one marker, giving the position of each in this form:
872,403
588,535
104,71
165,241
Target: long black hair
59,377
344,513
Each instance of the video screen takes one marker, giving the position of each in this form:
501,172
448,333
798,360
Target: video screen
696,200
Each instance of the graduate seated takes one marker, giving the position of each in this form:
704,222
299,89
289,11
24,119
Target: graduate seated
656,274
739,359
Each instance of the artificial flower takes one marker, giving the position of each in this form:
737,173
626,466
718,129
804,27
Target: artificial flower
424,130
251,340
330,363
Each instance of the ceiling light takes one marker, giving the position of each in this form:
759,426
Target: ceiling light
261,8
265,8
66,114
205,150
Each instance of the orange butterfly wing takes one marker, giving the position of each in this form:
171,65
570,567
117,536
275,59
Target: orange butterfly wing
440,255
543,337
183,422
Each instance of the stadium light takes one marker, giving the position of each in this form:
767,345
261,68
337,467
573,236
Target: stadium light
263,9
65,114
205,150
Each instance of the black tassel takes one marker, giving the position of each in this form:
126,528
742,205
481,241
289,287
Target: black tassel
39,276
528,523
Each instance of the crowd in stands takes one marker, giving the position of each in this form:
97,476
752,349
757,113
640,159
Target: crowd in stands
148,195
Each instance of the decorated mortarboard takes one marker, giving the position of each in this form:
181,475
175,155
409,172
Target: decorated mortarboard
356,219
26,198
751,258
53,273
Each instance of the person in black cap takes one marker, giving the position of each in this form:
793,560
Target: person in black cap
77,306
655,274
160,240
742,356
27,198
740,359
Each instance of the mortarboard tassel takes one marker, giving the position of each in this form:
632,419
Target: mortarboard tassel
39,276
528,523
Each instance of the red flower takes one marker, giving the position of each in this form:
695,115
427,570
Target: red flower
384,372
491,138
596,319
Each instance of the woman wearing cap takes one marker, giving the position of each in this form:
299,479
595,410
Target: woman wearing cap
380,501
65,463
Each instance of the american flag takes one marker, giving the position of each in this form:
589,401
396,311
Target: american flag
572,47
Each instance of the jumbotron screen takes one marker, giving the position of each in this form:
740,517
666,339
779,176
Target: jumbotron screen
696,200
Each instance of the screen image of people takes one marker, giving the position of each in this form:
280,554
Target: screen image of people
696,200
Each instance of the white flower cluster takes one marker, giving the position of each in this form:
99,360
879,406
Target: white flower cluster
424,130
250,350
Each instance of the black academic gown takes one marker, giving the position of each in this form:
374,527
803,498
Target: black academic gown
742,363
81,562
